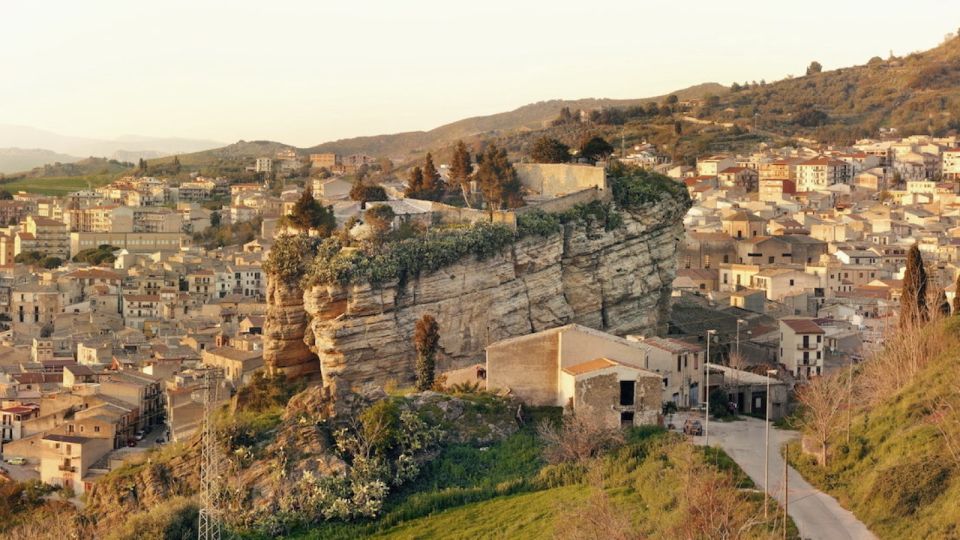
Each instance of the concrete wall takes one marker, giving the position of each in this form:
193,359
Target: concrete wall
446,214
578,347
527,367
556,179
566,202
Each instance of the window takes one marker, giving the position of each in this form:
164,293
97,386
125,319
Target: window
791,283
627,391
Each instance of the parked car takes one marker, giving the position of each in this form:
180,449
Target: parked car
139,435
693,427
17,461
131,443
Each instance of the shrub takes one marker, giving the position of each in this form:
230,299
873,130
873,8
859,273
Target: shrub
172,519
633,187
576,438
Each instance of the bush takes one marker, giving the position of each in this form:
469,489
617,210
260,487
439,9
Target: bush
576,439
538,223
633,187
408,258
173,519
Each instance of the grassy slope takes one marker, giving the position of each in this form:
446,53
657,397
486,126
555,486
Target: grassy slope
57,185
507,492
895,475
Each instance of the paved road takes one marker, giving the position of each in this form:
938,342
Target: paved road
817,515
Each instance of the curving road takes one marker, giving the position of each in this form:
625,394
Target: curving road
818,515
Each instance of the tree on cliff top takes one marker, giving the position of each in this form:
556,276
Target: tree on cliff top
549,150
308,214
913,300
460,170
498,180
426,337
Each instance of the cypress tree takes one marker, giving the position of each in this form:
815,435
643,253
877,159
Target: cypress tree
913,300
956,296
432,183
415,183
461,168
426,337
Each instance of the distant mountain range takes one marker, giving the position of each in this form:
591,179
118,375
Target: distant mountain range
22,148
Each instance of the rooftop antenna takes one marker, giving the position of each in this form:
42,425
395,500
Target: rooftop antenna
208,527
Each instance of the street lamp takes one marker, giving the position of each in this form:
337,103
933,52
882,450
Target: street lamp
706,370
766,450
739,322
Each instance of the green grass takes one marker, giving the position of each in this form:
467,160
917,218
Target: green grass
58,185
895,474
506,491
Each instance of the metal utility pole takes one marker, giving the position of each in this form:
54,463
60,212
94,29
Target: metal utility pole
739,322
208,527
706,369
766,450
786,488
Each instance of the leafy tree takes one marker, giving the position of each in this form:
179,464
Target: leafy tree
28,257
426,337
142,165
678,127
565,117
51,262
380,219
308,214
672,99
96,256
5,195
214,219
808,116
364,193
414,183
176,165
498,180
735,87
595,149
913,299
549,150
814,67
461,168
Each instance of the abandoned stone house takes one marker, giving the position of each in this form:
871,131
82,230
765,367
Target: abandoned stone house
586,371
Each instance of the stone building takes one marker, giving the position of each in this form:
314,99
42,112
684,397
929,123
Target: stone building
587,371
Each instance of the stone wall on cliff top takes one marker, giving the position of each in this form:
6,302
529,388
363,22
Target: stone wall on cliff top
360,335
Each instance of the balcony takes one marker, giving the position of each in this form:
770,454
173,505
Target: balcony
808,347
67,468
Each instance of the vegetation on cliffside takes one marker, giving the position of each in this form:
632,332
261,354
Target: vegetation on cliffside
408,252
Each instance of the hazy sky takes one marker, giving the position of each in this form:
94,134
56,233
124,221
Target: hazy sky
304,72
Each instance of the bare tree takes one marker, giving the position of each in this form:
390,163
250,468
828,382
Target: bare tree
577,438
824,399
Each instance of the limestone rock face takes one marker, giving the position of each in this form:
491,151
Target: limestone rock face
617,281
284,345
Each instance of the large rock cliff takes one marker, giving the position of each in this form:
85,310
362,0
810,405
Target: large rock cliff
617,281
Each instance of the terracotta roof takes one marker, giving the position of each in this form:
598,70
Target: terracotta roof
587,367
803,326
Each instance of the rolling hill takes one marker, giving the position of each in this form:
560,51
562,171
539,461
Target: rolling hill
529,117
915,94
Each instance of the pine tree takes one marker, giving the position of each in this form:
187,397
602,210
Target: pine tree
426,337
913,300
433,187
414,183
460,169
308,213
498,180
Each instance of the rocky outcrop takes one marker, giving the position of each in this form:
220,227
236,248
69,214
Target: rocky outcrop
286,345
617,281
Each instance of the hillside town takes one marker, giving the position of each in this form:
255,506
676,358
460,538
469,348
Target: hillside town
791,267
